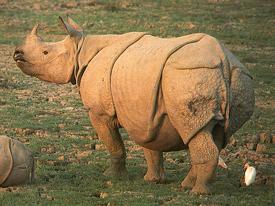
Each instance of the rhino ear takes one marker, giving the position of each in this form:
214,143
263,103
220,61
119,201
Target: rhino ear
70,29
73,24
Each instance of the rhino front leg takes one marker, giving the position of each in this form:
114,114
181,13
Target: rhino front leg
204,156
108,133
155,171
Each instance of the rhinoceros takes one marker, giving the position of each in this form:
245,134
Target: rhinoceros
169,94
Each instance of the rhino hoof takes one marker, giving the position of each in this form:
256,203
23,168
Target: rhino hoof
116,173
200,190
155,179
187,184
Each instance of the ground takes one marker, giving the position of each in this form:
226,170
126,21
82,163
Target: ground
52,122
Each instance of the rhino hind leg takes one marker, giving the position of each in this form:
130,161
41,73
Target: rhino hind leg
108,133
190,179
155,171
219,139
204,159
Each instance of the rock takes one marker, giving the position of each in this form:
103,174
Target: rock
51,150
233,142
90,146
45,196
224,152
84,154
100,147
70,4
61,126
109,184
103,195
49,197
24,131
50,99
41,133
9,189
3,2
36,6
69,108
189,25
61,158
48,150
251,146
264,137
5,189
261,148
43,149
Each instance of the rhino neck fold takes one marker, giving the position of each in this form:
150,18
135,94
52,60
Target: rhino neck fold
76,70
89,47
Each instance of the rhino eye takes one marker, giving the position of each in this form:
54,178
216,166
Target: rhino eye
45,52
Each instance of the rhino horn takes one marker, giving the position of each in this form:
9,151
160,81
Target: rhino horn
34,30
70,29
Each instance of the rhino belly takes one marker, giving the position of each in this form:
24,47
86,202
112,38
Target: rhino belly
165,139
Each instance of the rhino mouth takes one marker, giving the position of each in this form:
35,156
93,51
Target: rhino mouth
19,59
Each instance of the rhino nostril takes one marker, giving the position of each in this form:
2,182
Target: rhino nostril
19,55
18,52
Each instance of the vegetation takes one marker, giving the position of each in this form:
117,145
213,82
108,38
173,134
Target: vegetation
50,118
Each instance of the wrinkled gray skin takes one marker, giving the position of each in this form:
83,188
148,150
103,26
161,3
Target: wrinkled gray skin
54,62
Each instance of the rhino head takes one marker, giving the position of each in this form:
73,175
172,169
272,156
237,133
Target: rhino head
50,61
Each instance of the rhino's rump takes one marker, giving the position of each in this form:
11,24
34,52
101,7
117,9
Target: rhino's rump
242,94
137,85
193,98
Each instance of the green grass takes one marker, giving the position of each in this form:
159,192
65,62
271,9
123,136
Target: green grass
47,116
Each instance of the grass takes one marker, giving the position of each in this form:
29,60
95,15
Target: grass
51,121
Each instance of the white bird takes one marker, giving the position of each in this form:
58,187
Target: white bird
250,174
221,163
